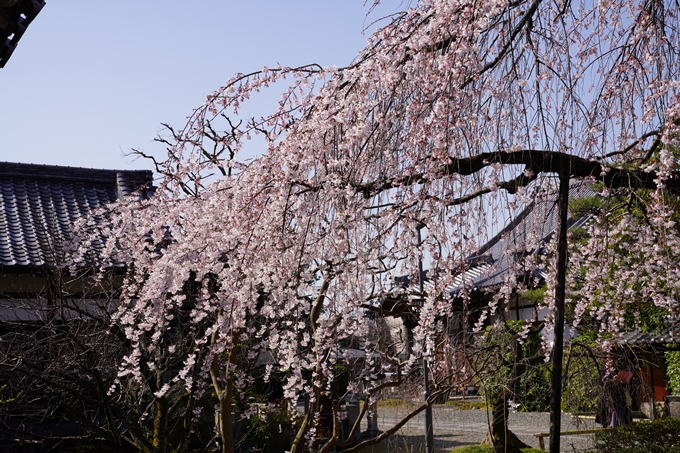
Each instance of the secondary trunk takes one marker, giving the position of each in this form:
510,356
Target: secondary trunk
499,436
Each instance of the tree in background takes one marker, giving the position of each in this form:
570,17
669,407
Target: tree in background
624,267
60,357
623,278
454,116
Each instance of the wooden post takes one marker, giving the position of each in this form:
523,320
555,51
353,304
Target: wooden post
558,337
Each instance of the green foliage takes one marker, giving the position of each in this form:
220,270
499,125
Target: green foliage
637,309
534,390
578,207
583,384
466,405
673,371
647,318
473,449
517,366
535,295
659,436
578,237
267,431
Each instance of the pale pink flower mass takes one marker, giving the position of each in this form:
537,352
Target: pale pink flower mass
451,109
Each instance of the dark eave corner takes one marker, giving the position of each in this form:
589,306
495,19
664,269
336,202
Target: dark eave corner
15,17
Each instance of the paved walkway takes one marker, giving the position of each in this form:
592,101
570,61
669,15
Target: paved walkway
454,428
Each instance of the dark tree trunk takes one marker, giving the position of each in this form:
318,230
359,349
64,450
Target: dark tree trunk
499,436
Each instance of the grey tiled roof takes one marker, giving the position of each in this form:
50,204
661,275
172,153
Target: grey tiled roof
669,336
39,203
534,225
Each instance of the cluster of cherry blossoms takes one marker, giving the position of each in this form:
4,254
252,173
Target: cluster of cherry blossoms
447,122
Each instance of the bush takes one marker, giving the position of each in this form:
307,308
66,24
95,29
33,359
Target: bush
659,436
673,371
583,384
267,432
514,367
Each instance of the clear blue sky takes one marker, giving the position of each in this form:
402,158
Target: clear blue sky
90,80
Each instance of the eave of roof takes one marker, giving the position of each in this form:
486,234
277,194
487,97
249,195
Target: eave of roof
15,17
669,337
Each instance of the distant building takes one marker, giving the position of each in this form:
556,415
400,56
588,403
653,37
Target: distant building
653,399
477,281
45,311
38,206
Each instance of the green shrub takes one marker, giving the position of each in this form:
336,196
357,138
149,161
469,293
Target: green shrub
266,431
466,405
392,402
578,207
583,384
527,385
659,436
673,371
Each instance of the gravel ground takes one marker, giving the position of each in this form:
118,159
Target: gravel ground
454,427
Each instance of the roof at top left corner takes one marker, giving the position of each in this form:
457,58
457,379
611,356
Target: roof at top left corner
15,17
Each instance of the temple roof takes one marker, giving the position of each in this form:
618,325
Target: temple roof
535,225
39,203
669,336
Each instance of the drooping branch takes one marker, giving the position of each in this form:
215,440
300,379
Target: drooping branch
511,186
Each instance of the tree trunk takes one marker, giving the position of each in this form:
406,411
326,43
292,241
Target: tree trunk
299,441
160,426
225,420
224,394
499,436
